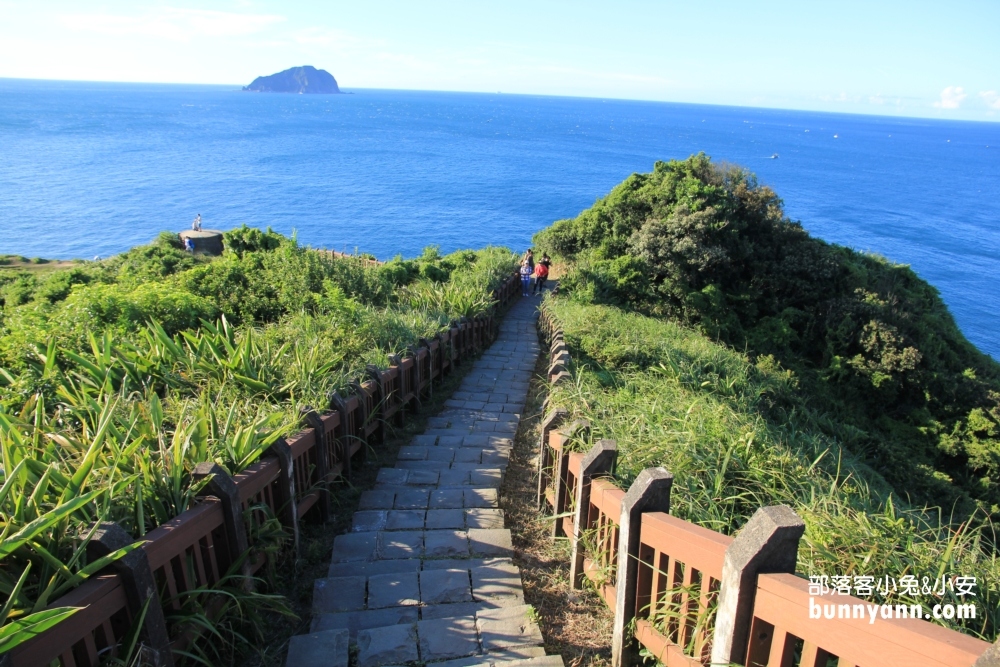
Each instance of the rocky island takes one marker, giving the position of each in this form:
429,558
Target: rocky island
299,80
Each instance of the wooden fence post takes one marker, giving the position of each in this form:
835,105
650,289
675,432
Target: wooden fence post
650,492
768,543
222,486
140,586
285,493
344,441
559,471
552,421
313,421
600,460
372,372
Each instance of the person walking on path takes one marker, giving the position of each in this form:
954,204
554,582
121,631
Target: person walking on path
196,223
541,273
525,278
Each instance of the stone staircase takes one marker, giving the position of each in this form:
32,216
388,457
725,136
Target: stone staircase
425,575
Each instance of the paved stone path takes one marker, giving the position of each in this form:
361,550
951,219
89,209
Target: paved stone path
425,575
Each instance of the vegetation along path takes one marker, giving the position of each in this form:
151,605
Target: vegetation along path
426,575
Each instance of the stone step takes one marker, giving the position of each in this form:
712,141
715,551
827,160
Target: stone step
488,583
327,648
416,498
453,519
502,631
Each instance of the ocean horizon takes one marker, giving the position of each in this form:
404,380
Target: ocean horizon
93,168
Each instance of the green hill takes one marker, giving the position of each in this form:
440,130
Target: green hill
876,359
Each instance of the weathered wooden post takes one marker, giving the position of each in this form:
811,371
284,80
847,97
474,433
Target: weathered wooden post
600,460
650,492
313,421
222,486
560,469
343,445
140,590
373,373
285,492
768,543
552,421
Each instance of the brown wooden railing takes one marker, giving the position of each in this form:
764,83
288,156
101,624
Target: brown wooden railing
690,596
198,548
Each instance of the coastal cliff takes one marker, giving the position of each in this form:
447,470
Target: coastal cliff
301,80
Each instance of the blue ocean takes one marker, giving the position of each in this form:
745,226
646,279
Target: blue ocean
91,169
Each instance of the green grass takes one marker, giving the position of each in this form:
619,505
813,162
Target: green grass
738,434
118,377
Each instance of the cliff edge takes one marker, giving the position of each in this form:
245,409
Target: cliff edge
300,80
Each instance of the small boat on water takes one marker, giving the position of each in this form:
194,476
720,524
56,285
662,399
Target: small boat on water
774,156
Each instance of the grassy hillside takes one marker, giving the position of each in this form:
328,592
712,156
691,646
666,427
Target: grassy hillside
738,434
117,377
875,357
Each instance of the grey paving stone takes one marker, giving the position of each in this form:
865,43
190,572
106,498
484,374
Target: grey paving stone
401,544
480,498
376,499
445,543
353,621
354,546
484,426
539,661
476,440
367,520
424,441
497,398
453,478
392,476
329,648
389,645
420,465
453,440
411,499
490,542
422,478
442,519
499,580
468,455
486,478
467,609
441,639
404,520
506,427
368,568
446,499
445,586
338,594
474,405
393,590
507,626
483,518
412,453
446,454
454,402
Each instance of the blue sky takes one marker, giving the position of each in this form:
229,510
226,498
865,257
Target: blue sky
939,59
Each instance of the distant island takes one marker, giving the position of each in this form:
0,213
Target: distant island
299,80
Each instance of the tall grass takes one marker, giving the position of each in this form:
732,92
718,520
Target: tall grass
104,419
737,436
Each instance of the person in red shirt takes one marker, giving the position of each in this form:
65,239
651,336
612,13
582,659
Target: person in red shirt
541,273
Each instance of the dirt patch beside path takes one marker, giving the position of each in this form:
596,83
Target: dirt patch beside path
575,624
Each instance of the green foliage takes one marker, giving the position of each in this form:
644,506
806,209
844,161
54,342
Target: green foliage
868,339
118,377
738,434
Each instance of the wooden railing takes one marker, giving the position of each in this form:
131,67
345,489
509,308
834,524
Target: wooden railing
194,551
690,596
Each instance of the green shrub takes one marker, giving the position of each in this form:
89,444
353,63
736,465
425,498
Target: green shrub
868,339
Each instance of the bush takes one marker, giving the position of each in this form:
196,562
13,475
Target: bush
872,342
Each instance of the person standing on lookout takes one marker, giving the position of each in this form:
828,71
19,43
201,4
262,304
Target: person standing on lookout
541,273
525,278
196,224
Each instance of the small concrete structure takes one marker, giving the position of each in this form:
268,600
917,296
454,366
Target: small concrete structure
206,241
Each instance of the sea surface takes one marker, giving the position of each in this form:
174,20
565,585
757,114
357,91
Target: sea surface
91,169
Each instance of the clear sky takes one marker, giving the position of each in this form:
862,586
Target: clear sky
934,59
